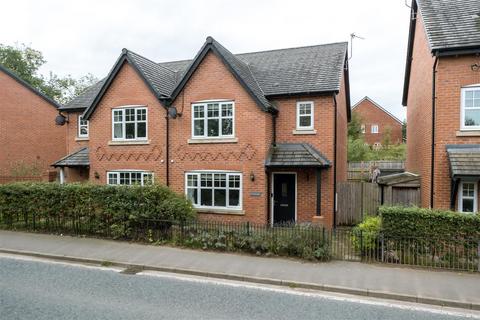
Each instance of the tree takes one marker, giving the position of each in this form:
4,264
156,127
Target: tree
387,137
404,131
355,127
357,150
26,62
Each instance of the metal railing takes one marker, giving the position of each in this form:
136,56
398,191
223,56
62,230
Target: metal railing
303,241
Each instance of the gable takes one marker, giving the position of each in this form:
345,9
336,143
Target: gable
367,105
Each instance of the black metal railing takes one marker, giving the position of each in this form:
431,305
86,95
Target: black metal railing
304,241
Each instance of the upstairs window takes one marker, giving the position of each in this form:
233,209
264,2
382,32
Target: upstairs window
129,124
467,197
470,108
374,128
130,178
305,115
213,120
82,127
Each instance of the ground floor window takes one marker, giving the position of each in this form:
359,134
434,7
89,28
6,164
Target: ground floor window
130,178
467,197
214,189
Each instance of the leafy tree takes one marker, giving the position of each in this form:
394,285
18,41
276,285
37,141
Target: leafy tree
355,127
26,62
404,130
357,149
387,137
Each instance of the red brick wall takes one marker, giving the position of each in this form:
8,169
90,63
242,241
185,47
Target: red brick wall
28,133
73,142
127,89
419,112
370,114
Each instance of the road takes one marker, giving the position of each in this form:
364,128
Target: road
32,289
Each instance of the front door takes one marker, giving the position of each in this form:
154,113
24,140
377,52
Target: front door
284,194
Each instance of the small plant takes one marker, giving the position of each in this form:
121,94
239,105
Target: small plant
106,263
365,234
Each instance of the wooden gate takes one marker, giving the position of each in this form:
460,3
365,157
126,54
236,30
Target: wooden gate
355,200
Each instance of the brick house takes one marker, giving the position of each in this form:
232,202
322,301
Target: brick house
30,141
376,122
442,95
257,137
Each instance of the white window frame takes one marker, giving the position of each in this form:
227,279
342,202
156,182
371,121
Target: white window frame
80,126
312,112
374,126
205,118
473,88
116,173
362,128
123,122
227,187
461,197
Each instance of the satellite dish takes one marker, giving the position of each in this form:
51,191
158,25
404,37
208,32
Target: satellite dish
60,120
172,112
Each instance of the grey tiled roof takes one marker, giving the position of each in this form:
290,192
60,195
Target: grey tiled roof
451,24
312,69
295,155
78,158
85,99
464,160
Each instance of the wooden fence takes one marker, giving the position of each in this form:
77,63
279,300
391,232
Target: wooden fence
357,199
361,171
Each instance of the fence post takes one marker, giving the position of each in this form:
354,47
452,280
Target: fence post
248,228
382,239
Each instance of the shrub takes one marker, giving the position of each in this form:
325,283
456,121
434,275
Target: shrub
365,234
98,208
427,223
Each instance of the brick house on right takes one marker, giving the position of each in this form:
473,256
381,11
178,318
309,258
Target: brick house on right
442,95
377,123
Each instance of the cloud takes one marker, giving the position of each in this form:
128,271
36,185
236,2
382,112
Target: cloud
81,37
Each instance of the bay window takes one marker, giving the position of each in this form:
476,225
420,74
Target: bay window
470,108
129,124
213,119
221,190
129,178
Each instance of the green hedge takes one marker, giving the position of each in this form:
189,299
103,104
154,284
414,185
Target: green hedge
427,223
101,206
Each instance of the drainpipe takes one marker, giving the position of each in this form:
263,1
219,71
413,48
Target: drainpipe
167,149
274,122
432,165
335,163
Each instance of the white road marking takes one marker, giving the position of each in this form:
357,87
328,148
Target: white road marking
410,306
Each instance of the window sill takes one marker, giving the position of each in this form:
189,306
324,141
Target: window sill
304,132
468,133
128,143
82,139
212,140
221,211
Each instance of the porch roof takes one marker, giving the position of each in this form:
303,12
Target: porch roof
295,155
464,160
79,158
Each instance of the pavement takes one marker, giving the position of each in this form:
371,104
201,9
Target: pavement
35,289
445,288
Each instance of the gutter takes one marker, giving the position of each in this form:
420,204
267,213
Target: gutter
432,165
167,149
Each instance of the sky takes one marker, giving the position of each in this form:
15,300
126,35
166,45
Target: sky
80,37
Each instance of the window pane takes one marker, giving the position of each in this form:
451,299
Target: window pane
213,128
305,121
117,115
192,180
198,112
220,180
472,117
129,114
220,198
476,94
227,127
124,178
136,178
192,195
468,190
141,114
212,110
234,198
141,130
147,178
469,94
227,110
130,130
112,178
467,205
206,196
198,127
468,103
234,181
117,131
206,180
83,131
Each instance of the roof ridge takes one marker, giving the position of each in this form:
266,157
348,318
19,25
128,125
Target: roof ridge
291,48
149,60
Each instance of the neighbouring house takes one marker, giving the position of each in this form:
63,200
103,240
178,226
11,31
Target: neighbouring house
257,137
442,95
377,123
29,139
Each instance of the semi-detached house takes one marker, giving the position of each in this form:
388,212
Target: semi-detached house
257,137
